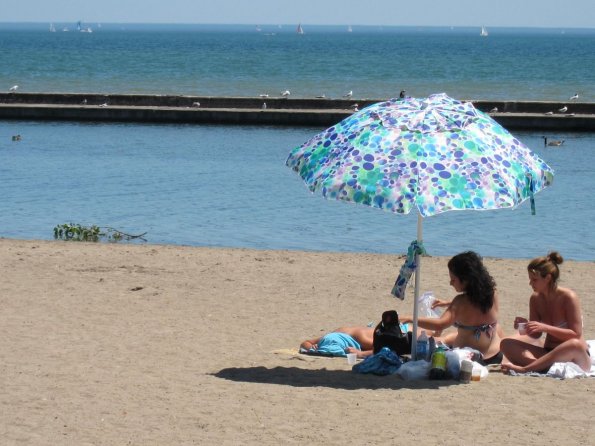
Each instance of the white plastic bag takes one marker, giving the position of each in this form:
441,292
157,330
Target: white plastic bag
414,370
425,305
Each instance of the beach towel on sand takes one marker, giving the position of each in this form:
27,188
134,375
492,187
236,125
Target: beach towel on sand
333,344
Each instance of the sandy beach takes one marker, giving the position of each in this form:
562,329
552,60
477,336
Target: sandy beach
115,344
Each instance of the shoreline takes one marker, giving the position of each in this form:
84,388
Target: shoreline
514,115
286,250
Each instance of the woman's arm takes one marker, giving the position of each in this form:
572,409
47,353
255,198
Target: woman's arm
534,315
434,323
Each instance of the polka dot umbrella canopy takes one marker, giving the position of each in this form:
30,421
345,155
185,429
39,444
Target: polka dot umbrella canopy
433,154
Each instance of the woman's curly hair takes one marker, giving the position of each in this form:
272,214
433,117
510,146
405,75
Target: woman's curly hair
480,287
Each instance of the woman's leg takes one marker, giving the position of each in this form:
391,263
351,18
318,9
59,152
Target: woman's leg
518,352
572,350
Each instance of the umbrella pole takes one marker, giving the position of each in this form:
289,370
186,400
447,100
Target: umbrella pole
417,286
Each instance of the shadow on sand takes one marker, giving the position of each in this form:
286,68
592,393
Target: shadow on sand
335,379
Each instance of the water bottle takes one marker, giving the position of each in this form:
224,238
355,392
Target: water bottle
423,347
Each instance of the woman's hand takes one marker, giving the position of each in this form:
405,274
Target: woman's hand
440,303
534,328
518,320
354,350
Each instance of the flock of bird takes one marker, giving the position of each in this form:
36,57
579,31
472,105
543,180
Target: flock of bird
354,107
287,93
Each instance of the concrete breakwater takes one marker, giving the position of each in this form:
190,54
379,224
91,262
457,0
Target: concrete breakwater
529,115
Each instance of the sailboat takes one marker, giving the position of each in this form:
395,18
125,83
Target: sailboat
300,30
349,29
484,32
52,28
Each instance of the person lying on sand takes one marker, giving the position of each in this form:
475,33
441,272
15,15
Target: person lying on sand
474,312
343,340
553,310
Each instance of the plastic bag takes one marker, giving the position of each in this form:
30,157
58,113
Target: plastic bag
425,305
415,370
454,358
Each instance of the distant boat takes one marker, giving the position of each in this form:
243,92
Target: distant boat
52,28
258,29
484,32
300,30
82,29
349,29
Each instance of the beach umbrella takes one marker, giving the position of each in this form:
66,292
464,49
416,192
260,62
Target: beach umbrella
431,155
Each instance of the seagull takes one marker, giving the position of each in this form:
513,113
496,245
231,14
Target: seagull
103,105
494,110
549,113
355,107
563,109
84,102
554,143
13,88
322,96
196,104
348,95
286,93
264,105
575,97
264,95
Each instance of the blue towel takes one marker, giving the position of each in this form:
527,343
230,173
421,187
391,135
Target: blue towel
385,362
334,344
408,268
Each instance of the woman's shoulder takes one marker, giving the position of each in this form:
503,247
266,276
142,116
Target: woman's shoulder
459,299
567,293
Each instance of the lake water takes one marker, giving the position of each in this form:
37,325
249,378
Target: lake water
211,185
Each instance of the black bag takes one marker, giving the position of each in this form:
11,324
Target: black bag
388,334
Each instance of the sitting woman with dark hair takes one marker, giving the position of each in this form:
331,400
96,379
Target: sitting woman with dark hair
474,312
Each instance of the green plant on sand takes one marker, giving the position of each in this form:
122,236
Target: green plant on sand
79,233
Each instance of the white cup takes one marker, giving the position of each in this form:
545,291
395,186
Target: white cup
351,358
466,371
522,326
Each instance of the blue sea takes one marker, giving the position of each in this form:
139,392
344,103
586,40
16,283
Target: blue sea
216,185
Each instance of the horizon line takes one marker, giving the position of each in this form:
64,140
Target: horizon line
40,22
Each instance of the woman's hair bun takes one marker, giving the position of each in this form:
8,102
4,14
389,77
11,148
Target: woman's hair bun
555,257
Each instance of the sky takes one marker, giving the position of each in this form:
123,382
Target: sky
506,13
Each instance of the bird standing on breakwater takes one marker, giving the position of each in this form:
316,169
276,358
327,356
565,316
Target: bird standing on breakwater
575,97
13,88
348,95
285,93
563,109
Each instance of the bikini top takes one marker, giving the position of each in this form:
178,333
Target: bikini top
488,329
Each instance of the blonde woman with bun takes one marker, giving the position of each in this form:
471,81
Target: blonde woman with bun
554,311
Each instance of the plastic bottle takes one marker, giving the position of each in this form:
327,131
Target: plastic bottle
423,347
438,370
